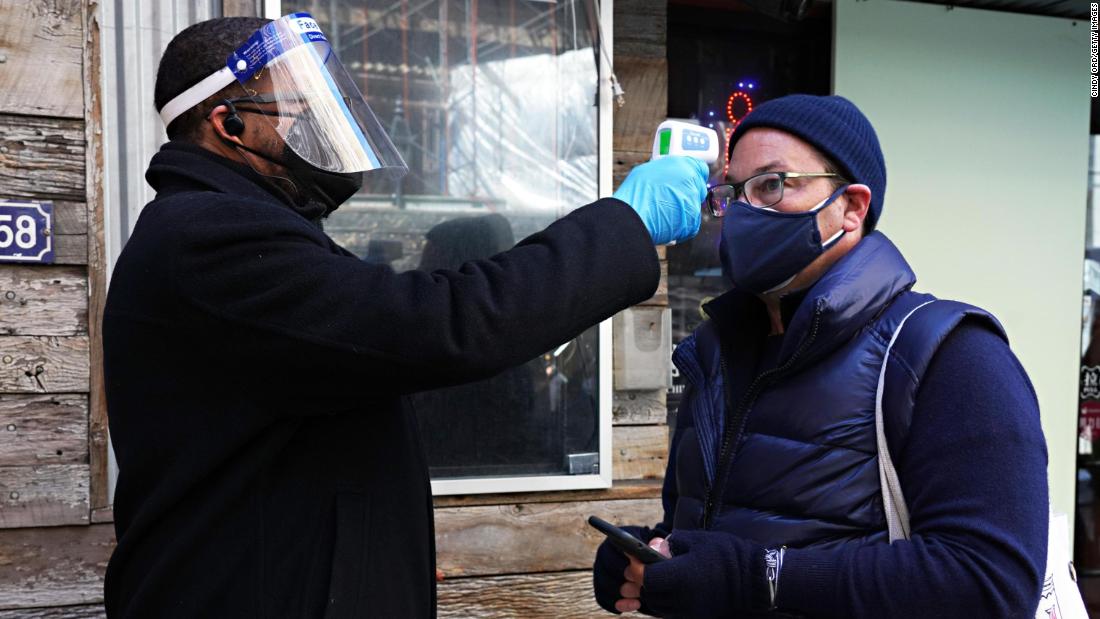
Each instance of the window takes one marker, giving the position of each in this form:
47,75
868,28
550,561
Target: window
498,108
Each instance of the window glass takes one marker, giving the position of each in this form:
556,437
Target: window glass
493,105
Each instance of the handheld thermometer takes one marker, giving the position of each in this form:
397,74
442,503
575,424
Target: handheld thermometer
677,137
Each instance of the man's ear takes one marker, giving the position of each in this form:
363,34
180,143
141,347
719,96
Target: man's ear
858,200
217,121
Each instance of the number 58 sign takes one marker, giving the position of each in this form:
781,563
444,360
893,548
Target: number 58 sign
26,233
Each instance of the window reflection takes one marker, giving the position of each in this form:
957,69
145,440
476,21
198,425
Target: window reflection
492,104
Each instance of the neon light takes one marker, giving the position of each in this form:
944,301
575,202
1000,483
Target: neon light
729,106
735,120
725,155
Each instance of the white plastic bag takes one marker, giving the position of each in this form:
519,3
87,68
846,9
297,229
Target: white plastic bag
1061,598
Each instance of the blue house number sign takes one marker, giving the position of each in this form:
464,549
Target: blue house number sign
26,232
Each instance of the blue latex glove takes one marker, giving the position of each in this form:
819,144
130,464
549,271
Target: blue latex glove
667,194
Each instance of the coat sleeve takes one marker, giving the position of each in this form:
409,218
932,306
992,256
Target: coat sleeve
277,291
974,474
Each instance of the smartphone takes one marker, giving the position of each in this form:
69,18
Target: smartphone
626,542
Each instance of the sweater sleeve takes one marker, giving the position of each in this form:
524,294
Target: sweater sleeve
974,475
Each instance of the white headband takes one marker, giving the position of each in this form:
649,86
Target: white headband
196,94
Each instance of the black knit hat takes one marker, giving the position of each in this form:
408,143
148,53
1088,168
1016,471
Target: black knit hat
191,56
836,127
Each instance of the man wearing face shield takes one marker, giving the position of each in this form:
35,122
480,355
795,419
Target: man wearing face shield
773,495
256,371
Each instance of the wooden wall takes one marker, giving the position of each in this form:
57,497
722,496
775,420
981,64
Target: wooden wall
519,555
53,484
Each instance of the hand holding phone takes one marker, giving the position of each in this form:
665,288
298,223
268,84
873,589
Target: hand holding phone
626,542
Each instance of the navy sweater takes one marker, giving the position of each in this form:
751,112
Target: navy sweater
974,474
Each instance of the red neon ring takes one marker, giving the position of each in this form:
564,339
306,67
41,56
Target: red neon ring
729,105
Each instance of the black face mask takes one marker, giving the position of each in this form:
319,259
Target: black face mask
313,193
319,191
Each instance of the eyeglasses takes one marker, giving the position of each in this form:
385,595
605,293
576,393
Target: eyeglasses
268,98
265,99
761,191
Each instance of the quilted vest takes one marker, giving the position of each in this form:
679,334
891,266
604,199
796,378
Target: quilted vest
788,455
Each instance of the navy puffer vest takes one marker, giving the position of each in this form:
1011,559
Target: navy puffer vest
788,455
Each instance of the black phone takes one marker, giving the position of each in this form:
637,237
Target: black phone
626,542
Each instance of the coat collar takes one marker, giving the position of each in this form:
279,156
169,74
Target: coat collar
845,299
179,166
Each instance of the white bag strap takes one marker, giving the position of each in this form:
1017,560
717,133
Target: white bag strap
893,501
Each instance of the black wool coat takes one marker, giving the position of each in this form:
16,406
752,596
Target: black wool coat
256,374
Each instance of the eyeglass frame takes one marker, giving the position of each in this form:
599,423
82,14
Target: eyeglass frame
263,99
738,188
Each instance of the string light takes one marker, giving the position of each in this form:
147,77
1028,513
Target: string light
735,120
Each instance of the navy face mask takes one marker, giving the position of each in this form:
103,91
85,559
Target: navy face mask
762,250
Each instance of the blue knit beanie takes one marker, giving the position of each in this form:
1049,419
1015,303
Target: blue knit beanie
834,126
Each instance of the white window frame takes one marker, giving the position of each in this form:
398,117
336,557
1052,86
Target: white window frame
543,483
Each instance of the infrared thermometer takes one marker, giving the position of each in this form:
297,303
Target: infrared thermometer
677,137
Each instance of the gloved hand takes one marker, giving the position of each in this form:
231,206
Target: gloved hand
607,571
667,194
710,574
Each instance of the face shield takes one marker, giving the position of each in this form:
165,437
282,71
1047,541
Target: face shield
290,75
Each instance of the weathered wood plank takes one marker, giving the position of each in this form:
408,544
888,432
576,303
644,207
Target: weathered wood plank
42,158
641,29
70,249
56,566
625,160
645,87
43,300
43,496
562,595
96,252
43,429
622,490
640,452
70,217
41,44
51,429
103,514
660,297
37,364
87,611
631,408
529,537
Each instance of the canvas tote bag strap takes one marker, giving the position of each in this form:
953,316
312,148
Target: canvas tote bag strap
893,500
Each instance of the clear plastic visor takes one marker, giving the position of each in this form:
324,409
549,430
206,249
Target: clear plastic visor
290,75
